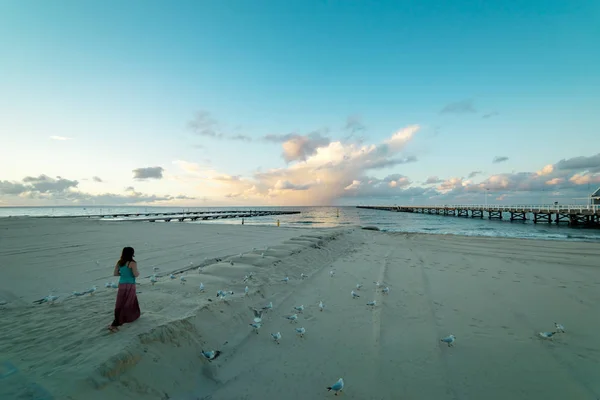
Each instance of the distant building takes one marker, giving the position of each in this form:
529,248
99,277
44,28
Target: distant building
595,197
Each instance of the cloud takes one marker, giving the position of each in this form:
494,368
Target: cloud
432,180
12,188
474,174
287,185
490,115
148,173
354,124
204,124
459,107
41,189
45,184
591,163
298,147
324,170
499,159
242,138
227,178
62,138
97,179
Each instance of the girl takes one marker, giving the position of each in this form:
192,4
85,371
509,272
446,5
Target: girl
127,308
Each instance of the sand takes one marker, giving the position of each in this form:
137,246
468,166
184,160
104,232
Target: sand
494,295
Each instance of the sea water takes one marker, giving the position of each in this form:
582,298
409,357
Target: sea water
327,217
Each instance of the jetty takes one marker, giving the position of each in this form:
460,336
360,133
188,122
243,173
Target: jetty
574,215
206,216
181,216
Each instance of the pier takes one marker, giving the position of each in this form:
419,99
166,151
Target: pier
213,216
574,215
192,215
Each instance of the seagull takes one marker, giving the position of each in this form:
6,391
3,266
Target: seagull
336,387
546,335
183,279
153,279
201,287
300,331
222,294
299,308
107,284
246,290
172,276
292,318
211,355
286,279
559,327
97,262
199,270
156,269
358,286
321,306
378,284
449,339
256,326
48,299
191,264
386,290
262,255
372,303
230,262
302,276
241,255
331,273
276,337
268,306
254,249
354,294
257,314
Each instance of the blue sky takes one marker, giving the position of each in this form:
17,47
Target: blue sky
122,81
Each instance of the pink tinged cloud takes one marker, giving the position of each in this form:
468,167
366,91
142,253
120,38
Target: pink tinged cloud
333,170
555,181
584,179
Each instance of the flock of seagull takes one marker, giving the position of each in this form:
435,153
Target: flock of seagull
256,324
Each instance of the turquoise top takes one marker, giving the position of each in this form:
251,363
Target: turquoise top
126,275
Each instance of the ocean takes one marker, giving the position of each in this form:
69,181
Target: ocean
318,217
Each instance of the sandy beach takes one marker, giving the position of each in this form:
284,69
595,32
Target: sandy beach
494,295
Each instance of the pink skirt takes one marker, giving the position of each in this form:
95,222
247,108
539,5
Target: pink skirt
127,308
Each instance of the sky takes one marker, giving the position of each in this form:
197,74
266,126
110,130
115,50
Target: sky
298,102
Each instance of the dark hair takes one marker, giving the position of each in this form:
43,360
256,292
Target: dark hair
126,256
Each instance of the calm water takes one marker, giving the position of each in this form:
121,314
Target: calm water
315,217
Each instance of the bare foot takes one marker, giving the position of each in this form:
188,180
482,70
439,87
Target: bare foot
113,329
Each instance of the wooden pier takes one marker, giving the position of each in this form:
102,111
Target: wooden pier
220,215
574,215
191,215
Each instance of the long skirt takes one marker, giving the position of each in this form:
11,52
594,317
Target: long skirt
127,308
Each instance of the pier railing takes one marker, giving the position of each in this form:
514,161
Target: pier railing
540,207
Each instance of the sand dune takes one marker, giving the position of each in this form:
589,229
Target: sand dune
493,294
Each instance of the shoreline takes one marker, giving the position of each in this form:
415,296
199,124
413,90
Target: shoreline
494,295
